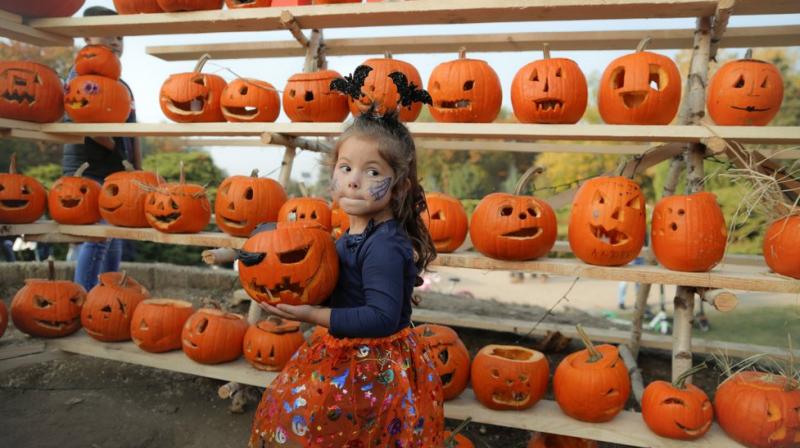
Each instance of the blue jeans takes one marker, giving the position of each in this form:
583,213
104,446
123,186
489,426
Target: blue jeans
96,258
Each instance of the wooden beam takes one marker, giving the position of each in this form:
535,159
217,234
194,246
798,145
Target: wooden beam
205,239
26,134
730,259
12,27
36,228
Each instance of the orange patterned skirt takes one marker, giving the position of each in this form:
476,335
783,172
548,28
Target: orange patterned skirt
353,393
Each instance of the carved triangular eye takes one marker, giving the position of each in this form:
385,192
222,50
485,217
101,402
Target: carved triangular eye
764,83
634,203
599,198
535,75
739,82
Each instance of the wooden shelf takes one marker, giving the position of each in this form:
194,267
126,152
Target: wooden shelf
203,239
12,27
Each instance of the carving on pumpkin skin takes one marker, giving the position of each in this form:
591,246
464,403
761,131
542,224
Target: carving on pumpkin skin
17,81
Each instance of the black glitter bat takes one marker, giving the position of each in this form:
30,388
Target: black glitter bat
250,258
409,92
351,84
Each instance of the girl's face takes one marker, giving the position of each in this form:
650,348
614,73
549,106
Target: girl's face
362,180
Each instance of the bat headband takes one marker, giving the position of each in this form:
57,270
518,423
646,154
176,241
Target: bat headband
410,93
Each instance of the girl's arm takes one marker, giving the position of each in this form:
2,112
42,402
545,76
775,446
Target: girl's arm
316,315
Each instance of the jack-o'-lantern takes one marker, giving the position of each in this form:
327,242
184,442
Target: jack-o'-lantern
456,440
689,232
544,440
446,221
380,89
212,336
156,324
592,385
294,264
464,91
97,60
607,221
22,198
759,409
640,88
270,343
513,227
30,92
333,2
308,97
110,305
236,4
48,308
122,197
313,210
74,199
509,377
97,99
3,317
782,246
745,92
244,202
189,5
340,221
42,8
137,6
250,100
450,357
178,208
677,410
552,91
193,97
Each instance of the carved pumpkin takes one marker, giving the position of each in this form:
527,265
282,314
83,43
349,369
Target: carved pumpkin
509,377
333,2
22,198
122,197
250,100
340,222
48,308
270,343
42,8
592,385
313,210
244,202
607,221
759,409
212,336
464,91
446,221
110,305
308,97
450,357
193,97
746,92
552,91
30,92
97,60
543,440
456,440
137,6
97,99
689,232
156,324
178,208
640,88
379,88
234,4
74,199
189,5
3,317
293,264
782,246
677,410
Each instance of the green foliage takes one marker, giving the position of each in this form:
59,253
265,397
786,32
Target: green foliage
46,174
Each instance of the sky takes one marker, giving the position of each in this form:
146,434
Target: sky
145,73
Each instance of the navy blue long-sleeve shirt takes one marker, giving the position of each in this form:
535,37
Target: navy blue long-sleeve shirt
372,298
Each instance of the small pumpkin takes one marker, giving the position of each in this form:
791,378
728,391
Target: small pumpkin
270,343
544,440
250,100
464,91
380,89
592,385
782,246
677,410
74,199
193,97
137,6
446,220
178,208
313,210
109,307
340,221
189,5
308,97
213,336
509,377
97,60
97,99
450,357
745,92
156,324
456,440
244,202
237,4
30,92
3,317
689,232
48,308
123,196
22,198
552,91
42,8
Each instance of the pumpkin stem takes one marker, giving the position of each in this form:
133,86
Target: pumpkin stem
51,268
680,382
12,164
748,54
450,441
201,62
791,381
81,169
427,332
387,54
462,53
123,281
526,176
182,178
643,44
254,173
594,355
546,50
275,319
128,166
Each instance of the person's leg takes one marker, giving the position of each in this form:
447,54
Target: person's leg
90,261
622,290
8,250
113,256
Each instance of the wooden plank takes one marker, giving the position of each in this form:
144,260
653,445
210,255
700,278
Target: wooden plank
27,134
36,228
15,351
5,123
204,239
11,28
730,259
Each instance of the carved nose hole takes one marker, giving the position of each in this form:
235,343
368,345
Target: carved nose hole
673,226
523,215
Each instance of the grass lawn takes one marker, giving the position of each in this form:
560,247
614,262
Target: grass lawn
753,325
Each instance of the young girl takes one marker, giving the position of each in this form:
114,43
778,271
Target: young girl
368,382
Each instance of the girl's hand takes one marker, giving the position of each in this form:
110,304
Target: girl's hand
304,313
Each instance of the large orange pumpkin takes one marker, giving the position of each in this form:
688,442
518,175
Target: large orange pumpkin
509,377
3,317
122,197
74,199
689,232
193,97
244,202
156,324
746,92
464,91
311,210
544,440
42,8
30,92
782,246
450,357
97,60
340,221
48,308
250,100
22,198
677,410
607,221
308,97
446,220
97,99
110,305
235,4
137,6
178,208
380,89
189,5
270,343
212,336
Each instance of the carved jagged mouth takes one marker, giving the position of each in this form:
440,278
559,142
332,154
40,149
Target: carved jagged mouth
243,2
192,107
18,97
286,290
57,325
523,233
244,113
750,109
75,103
446,378
633,99
14,203
549,105
511,398
165,219
70,203
612,237
234,223
457,104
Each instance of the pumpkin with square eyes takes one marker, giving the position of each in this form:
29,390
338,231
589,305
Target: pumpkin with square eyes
123,196
74,199
30,92
464,91
109,307
3,317
238,4
178,207
137,6
308,97
450,357
270,343
607,221
189,5
677,410
156,324
213,336
42,8
446,221
380,89
22,198
340,221
244,202
313,210
745,92
544,440
296,263
193,97
782,246
97,60
48,308
250,100
97,99
509,377
640,88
